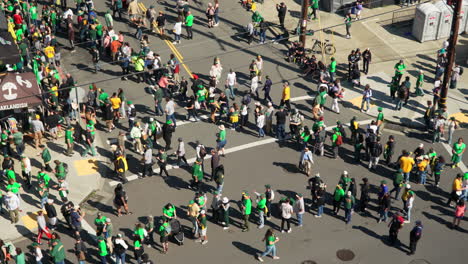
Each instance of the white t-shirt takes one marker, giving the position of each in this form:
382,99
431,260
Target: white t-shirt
38,254
231,78
170,107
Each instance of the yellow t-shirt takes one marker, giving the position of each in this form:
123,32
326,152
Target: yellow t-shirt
54,91
115,101
286,93
406,164
49,51
422,165
457,185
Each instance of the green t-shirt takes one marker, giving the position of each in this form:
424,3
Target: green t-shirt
380,117
69,136
102,248
33,12
197,171
60,174
315,3
247,206
100,222
189,20
58,252
270,239
44,190
169,212
261,204
14,187
44,177
222,135
349,202
140,233
399,69
332,67
46,155
458,148
103,98
11,174
163,229
339,194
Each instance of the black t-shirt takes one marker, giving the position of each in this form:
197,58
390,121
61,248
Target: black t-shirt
281,117
161,21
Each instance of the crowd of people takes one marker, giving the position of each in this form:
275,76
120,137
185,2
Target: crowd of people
41,52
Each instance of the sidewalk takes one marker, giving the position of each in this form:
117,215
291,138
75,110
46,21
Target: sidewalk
84,177
388,44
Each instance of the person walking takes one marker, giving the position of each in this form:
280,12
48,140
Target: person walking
197,175
12,205
181,152
80,250
51,214
102,249
337,141
349,203
147,162
286,214
286,96
38,129
366,99
42,227
348,20
299,209
375,151
458,149
366,60
246,208
224,208
202,222
193,210
395,226
58,251
384,207
162,162
406,165
120,248
121,200
415,235
270,240
167,130
338,198
459,213
164,232
189,24
221,140
457,188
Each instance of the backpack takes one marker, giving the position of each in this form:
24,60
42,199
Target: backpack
339,140
372,138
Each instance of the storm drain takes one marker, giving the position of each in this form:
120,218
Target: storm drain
419,261
345,254
308,262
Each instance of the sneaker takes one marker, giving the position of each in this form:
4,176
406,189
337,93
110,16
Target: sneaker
226,228
174,42
204,242
260,259
290,230
407,221
282,231
245,230
276,257
260,226
198,240
347,36
215,25
317,216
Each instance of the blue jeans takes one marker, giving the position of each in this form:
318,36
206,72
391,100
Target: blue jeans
158,108
299,219
103,259
231,90
399,104
20,149
270,250
332,76
262,36
261,216
406,175
383,215
280,131
422,177
176,37
348,215
261,133
365,102
60,262
171,117
219,188
320,210
44,201
120,258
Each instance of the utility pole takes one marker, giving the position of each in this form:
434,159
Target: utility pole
457,5
305,9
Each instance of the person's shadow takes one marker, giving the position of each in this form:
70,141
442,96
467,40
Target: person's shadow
246,248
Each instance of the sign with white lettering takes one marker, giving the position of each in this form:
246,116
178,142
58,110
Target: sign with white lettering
19,90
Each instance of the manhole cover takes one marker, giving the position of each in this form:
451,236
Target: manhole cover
419,261
345,254
308,262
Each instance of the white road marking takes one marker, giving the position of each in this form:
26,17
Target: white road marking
461,165
230,150
86,226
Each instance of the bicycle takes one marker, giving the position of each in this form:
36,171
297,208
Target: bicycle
318,46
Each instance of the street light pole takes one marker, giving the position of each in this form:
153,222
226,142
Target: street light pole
305,9
451,51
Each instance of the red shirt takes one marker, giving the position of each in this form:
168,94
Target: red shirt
18,19
163,82
115,46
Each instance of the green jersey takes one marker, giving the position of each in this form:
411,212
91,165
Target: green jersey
222,135
102,248
247,203
46,155
69,139
169,212
332,67
339,194
261,205
58,252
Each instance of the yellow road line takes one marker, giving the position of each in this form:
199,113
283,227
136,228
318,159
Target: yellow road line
170,45
460,117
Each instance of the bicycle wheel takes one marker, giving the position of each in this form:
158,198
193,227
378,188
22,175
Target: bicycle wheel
330,49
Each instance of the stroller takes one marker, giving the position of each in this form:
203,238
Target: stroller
176,231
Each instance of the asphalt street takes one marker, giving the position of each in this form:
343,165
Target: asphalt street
270,163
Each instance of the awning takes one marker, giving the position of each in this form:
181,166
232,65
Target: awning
8,47
19,90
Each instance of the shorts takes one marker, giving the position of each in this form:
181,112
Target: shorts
202,232
221,144
116,110
259,73
459,217
210,17
163,239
